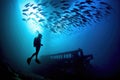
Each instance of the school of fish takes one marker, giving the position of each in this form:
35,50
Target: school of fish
63,15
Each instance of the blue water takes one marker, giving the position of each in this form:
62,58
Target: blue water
100,39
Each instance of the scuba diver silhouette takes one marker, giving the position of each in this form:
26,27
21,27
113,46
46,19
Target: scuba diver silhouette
37,45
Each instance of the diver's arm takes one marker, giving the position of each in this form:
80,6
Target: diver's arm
41,44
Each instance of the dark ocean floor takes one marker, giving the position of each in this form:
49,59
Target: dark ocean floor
8,73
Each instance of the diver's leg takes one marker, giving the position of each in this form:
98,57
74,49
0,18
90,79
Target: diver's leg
29,59
33,55
37,51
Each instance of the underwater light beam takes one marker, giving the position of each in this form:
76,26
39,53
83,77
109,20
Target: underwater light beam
32,17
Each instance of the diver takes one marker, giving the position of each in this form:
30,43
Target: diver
37,45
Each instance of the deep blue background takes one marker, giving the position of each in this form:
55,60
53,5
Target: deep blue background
101,39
